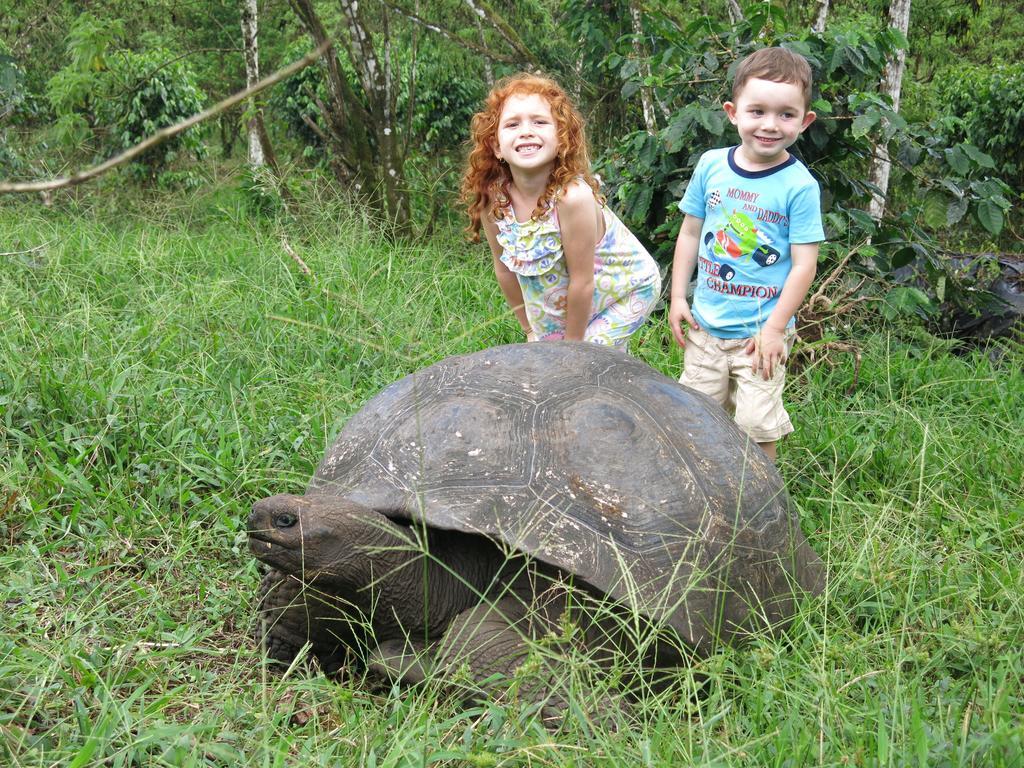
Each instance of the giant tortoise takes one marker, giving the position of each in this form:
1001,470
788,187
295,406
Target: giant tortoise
444,522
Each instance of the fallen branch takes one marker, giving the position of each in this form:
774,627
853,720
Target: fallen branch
303,267
166,133
25,253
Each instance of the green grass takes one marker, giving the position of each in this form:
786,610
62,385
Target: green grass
163,368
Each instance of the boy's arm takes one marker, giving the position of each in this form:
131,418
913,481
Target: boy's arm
683,262
768,347
507,280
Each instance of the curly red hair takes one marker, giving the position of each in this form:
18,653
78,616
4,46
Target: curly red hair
485,183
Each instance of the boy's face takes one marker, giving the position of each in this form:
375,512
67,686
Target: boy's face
769,116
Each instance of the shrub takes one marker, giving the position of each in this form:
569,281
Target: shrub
296,102
148,94
115,98
982,105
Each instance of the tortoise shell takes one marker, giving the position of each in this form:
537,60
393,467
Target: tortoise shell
593,462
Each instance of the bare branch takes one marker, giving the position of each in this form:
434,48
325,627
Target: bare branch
449,35
39,247
484,10
303,267
347,118
166,133
311,124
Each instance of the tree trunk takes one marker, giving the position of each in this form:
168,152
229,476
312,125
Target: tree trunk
488,67
892,82
819,22
378,81
252,76
639,50
735,12
352,154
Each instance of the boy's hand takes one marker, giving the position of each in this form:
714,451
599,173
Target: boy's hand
767,350
679,311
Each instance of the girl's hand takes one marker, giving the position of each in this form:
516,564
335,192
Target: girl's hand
679,311
767,350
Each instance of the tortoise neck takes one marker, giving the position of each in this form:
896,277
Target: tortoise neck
426,577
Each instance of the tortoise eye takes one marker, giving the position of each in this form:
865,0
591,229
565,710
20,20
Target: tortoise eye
285,520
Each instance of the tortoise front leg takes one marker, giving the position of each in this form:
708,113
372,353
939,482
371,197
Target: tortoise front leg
403,661
292,614
490,642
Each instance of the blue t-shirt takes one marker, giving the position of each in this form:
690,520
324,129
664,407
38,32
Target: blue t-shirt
750,219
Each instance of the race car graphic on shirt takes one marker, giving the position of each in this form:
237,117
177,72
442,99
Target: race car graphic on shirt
737,238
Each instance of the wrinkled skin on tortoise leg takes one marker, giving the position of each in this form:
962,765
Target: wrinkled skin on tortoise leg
488,654
290,615
403,661
484,648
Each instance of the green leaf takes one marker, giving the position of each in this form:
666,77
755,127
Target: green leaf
991,216
862,124
909,154
989,188
956,210
855,57
863,219
958,160
712,120
677,131
640,202
980,158
906,300
935,209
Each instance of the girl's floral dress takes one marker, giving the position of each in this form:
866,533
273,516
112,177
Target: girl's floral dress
626,279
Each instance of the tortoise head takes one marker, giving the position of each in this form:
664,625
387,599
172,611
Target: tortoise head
325,538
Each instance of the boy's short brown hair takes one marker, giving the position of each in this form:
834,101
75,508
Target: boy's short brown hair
778,65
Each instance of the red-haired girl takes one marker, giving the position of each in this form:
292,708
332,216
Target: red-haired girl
566,264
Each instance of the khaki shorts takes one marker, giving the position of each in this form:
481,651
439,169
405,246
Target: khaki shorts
720,368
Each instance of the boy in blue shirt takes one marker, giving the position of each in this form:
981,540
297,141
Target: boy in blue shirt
752,228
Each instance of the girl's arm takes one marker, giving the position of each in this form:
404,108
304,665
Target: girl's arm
581,224
507,280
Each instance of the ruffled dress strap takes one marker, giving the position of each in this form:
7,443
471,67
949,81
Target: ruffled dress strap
533,247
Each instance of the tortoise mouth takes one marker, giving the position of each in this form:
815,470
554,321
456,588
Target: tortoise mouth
264,544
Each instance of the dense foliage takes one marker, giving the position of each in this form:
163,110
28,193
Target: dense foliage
947,177
983,106
116,98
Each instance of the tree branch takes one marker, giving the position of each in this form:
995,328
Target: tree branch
166,133
449,35
484,10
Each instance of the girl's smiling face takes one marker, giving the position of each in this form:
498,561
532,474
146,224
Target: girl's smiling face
527,133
